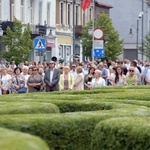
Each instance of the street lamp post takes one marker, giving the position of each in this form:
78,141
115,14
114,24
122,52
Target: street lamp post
1,34
137,37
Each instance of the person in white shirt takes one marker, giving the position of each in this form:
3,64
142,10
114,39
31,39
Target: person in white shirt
73,70
98,81
5,81
79,79
26,75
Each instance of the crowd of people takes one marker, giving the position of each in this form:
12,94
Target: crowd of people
48,77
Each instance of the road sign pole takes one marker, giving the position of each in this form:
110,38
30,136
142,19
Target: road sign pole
93,31
40,56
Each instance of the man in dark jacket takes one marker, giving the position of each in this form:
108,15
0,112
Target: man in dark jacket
51,78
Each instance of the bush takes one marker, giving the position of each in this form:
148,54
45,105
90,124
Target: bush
11,140
27,108
74,106
68,131
122,134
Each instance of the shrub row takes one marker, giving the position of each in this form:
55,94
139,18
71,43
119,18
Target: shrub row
27,108
53,106
122,134
68,131
99,94
12,140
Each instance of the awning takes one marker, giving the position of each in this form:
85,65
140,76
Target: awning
50,44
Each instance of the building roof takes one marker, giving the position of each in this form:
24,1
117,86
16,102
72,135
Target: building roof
104,5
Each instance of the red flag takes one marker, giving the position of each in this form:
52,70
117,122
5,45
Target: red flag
85,4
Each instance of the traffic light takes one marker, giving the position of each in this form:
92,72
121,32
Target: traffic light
42,29
6,24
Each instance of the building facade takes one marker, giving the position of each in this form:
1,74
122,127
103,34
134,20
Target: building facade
70,18
38,13
125,15
55,17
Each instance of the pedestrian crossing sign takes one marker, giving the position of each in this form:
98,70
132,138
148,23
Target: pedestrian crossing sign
39,43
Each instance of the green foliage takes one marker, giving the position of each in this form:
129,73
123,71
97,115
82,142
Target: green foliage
11,140
68,131
122,134
18,42
112,45
81,111
82,106
146,46
27,108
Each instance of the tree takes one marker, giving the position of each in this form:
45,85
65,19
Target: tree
18,42
112,45
146,45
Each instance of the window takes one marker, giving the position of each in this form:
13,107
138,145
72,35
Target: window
68,50
48,14
31,11
61,13
40,12
76,20
12,10
0,10
22,10
69,14
61,51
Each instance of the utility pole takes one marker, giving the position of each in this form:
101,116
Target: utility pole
73,36
142,30
137,38
92,53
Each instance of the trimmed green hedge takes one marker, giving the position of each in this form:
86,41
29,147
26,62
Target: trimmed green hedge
11,140
74,106
27,108
107,93
73,130
68,131
122,134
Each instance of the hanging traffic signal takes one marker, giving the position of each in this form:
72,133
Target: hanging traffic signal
42,29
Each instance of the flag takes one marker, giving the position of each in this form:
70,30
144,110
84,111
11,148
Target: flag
85,4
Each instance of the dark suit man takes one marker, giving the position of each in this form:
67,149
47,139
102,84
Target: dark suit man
51,78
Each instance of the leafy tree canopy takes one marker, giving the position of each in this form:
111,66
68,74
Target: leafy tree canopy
147,45
112,45
18,42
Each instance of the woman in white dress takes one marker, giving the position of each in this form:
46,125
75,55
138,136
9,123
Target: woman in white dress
5,81
98,81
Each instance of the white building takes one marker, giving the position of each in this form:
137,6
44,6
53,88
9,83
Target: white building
34,12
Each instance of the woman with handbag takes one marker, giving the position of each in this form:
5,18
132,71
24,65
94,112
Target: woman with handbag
88,78
34,81
18,82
